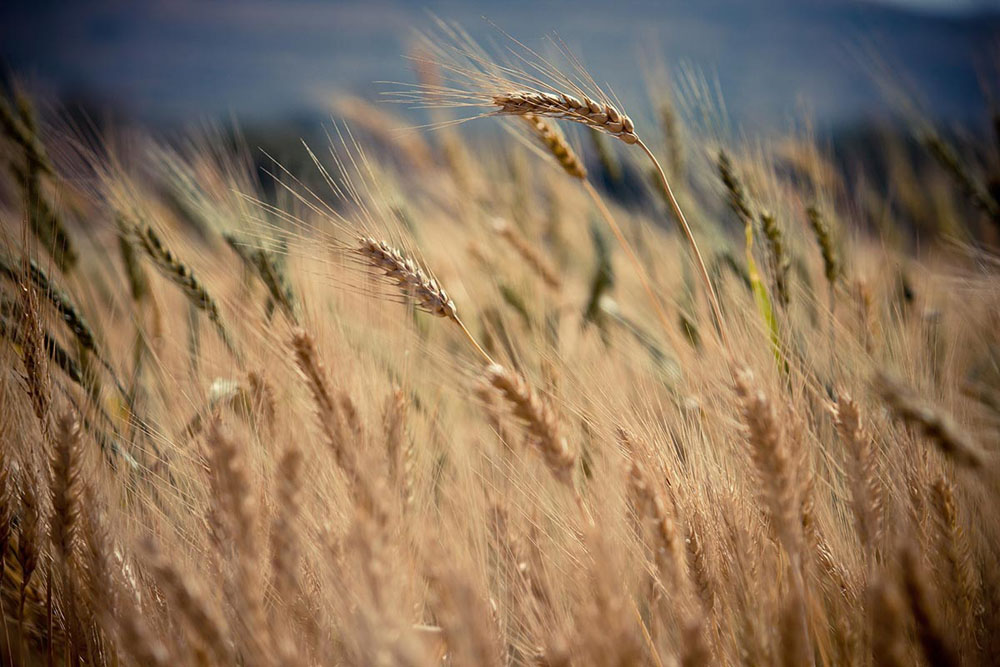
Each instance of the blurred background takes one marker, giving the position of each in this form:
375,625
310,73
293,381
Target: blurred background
174,62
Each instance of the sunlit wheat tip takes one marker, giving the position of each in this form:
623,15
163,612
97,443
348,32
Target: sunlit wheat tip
603,117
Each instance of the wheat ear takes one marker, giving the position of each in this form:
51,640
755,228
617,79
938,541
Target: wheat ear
955,548
935,423
190,602
554,140
600,116
779,261
70,314
538,417
866,496
775,464
699,565
946,156
738,200
772,458
675,206
65,486
824,238
21,131
65,489
180,274
889,645
414,283
335,420
7,499
113,604
931,631
650,504
264,264
285,547
28,536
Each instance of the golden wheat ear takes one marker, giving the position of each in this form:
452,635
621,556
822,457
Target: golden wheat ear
414,283
553,139
538,418
603,117
408,276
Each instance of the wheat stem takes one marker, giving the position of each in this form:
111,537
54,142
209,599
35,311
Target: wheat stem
679,214
634,260
472,339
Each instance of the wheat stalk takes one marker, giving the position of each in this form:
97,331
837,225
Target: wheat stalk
675,206
414,283
573,166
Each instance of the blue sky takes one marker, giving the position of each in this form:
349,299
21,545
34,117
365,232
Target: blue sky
172,60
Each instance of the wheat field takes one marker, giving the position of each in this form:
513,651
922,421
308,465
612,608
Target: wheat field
446,398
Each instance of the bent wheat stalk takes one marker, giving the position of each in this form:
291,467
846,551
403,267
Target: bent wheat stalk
539,419
573,165
679,214
604,117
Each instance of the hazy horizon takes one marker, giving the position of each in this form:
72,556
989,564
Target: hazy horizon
171,62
